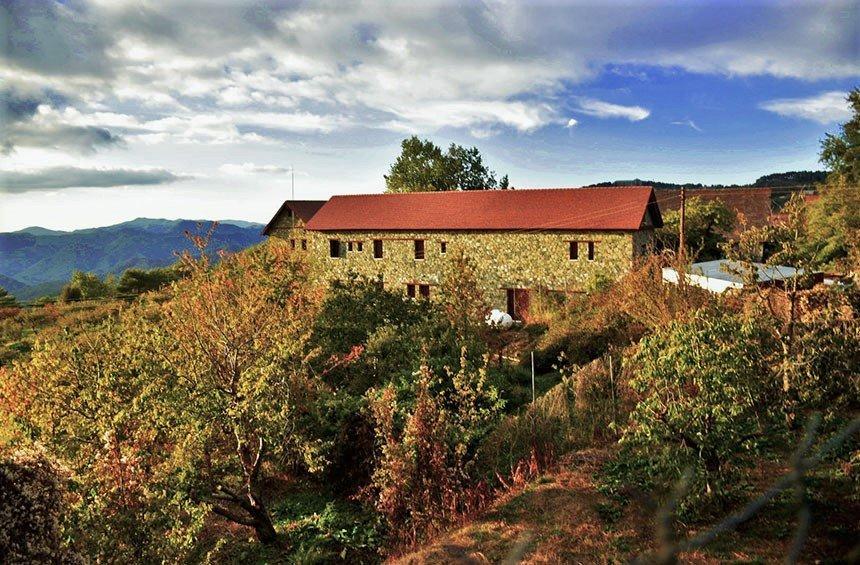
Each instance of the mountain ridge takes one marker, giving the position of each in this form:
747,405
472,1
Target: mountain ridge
37,261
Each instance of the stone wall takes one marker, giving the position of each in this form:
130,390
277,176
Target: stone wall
530,260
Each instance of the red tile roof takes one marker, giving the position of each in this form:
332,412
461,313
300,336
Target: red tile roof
525,209
302,209
753,203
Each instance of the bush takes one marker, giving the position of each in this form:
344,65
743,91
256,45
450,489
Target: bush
424,477
362,334
708,401
33,504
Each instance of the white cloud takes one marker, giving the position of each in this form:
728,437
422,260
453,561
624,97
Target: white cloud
824,108
689,123
601,109
572,123
248,168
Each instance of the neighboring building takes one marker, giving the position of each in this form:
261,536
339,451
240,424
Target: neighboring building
755,205
721,275
520,240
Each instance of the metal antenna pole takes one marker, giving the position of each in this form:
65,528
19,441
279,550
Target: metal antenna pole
533,377
292,183
682,236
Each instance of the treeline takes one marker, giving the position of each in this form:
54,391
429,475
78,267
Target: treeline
794,179
132,282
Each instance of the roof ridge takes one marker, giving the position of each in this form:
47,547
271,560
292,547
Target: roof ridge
486,190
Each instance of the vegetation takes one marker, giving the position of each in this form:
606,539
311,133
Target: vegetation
6,299
422,166
239,412
709,224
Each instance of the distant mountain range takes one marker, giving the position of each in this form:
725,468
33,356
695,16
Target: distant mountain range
36,261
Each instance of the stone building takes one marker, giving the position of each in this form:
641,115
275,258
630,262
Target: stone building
520,240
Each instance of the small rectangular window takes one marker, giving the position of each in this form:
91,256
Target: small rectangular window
424,290
443,247
410,290
292,244
304,245
419,248
349,246
574,250
591,251
360,246
377,249
334,248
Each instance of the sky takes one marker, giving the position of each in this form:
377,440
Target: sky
112,109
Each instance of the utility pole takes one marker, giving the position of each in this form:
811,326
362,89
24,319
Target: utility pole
292,183
682,236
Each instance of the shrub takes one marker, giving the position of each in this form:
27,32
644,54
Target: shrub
424,476
33,504
707,402
360,314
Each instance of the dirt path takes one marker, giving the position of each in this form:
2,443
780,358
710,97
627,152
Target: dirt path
553,520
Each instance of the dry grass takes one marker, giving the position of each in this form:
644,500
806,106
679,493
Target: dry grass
557,519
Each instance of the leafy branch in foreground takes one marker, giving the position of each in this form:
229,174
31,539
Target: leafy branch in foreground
801,464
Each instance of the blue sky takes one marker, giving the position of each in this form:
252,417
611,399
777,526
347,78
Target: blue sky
113,110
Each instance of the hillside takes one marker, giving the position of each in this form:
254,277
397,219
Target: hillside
36,261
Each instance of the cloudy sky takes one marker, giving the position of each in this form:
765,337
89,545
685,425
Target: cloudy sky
112,109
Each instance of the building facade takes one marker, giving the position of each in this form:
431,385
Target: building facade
520,241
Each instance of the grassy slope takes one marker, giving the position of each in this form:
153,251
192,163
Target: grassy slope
561,518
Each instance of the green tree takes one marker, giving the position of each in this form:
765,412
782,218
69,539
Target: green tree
6,299
138,281
422,166
708,224
86,286
363,334
707,402
841,152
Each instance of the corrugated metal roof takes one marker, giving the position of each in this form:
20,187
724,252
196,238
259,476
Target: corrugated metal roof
621,209
734,271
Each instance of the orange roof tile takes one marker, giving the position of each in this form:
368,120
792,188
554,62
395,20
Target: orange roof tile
622,208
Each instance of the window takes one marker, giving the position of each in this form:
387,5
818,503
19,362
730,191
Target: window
377,249
574,250
349,246
419,248
443,247
424,290
334,248
591,251
360,246
292,244
304,245
410,290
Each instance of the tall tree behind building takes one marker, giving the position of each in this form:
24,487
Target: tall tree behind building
422,166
